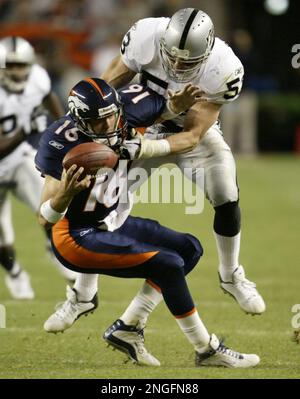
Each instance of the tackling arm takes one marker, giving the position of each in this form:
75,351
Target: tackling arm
197,122
118,74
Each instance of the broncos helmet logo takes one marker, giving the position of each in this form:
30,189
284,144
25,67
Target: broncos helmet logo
76,105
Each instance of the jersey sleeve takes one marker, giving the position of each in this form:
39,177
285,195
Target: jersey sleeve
51,152
142,105
223,80
139,46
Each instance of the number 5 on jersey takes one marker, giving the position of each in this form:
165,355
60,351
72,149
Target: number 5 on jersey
234,88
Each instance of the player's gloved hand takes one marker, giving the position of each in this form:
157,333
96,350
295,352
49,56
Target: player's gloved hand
130,149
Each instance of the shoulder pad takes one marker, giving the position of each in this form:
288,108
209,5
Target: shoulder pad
140,41
40,79
223,75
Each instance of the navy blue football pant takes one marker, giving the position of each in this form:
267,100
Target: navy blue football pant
141,248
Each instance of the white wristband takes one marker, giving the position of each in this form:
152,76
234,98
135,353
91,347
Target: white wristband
49,213
154,148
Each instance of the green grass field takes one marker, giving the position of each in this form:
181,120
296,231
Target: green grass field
270,200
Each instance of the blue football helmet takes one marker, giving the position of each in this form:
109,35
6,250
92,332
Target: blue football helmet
93,99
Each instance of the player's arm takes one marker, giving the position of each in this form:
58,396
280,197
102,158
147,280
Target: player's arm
181,101
117,73
197,122
52,103
10,142
58,194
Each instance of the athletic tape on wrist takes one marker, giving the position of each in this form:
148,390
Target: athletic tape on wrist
154,148
48,213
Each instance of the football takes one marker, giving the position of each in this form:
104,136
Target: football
91,156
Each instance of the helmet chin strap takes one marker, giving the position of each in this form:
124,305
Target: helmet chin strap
111,139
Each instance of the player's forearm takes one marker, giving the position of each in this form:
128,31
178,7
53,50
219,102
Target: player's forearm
176,144
185,141
55,198
199,119
57,204
8,144
61,201
117,74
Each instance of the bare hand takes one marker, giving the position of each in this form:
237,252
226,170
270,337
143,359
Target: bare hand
70,185
184,99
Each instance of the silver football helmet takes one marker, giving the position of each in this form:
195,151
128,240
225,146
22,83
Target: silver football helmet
186,44
19,57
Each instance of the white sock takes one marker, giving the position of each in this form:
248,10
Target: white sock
142,305
228,250
16,269
195,331
86,286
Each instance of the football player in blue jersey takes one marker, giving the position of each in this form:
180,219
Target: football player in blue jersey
93,233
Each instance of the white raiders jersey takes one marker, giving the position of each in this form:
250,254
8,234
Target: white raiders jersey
16,110
220,77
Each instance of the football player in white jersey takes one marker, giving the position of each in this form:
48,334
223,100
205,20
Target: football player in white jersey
168,54
24,88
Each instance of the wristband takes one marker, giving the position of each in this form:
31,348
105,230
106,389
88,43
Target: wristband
154,148
48,213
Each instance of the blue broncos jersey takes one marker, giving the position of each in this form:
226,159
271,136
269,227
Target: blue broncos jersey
142,107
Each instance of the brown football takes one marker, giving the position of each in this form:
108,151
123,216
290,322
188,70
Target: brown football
91,156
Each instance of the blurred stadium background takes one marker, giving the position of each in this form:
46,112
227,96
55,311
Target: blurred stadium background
76,38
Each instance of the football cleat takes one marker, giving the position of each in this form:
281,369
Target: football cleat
69,311
244,292
19,286
219,355
130,340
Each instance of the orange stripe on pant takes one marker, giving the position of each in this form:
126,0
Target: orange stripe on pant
73,253
186,314
153,285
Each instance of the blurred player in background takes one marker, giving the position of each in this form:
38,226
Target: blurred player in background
93,231
168,54
25,96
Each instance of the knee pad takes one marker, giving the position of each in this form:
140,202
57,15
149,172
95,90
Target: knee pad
7,257
227,220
